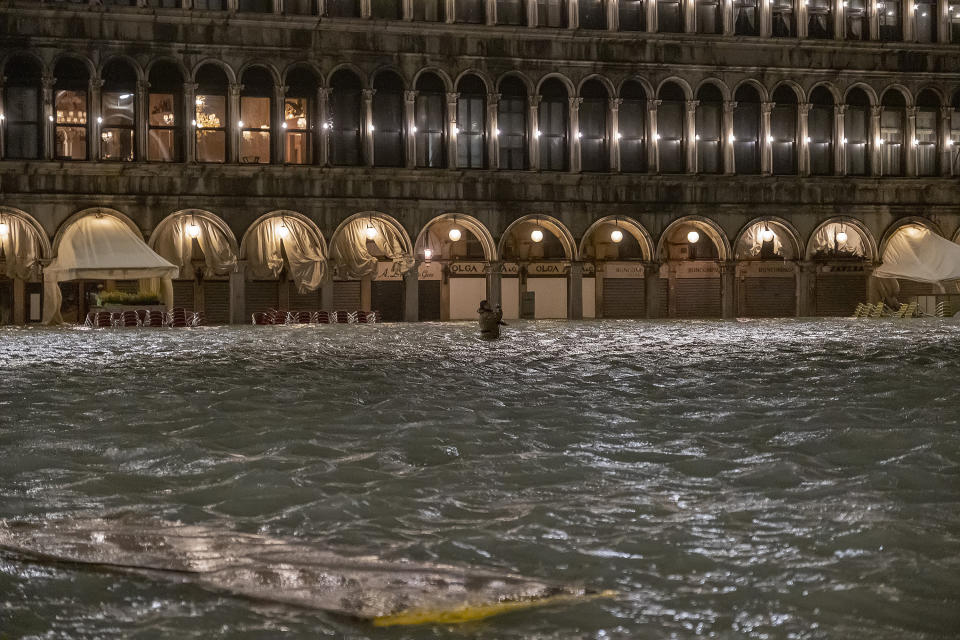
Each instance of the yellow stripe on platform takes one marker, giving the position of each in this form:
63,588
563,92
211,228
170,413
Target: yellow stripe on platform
471,613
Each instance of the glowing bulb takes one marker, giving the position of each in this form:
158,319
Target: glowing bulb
282,230
842,236
913,231
193,230
656,136
844,141
326,125
427,254
619,135
769,138
616,235
124,96
454,234
732,139
693,237
193,122
50,118
283,125
414,129
99,120
768,235
496,132
696,137
536,235
371,231
949,143
537,133
807,139
579,135
4,228
240,124
456,130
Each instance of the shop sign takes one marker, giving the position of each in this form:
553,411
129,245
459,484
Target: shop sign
467,268
431,271
766,269
589,270
510,269
548,268
388,271
697,269
623,270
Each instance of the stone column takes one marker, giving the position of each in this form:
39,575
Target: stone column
141,121
452,129
874,19
278,6
574,134
323,113
726,143
366,10
238,291
766,20
839,137
407,10
598,281
766,151
806,289
803,137
689,15
945,142
490,9
450,10
651,286
943,22
493,139
494,281
533,136
575,292
728,288
653,158
366,293
573,14
690,136
94,118
908,21
613,133
233,122
278,131
728,22
411,293
326,293
189,121
409,116
800,11
651,7
613,15
49,126
19,301
910,135
839,20
367,133
532,13
875,168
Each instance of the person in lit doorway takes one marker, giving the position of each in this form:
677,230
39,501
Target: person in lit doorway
490,321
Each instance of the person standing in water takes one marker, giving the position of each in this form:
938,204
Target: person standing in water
490,321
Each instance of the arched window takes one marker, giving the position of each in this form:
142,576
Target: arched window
670,119
709,16
553,116
591,14
890,16
298,116
746,17
783,130
430,118
925,12
856,133
820,132
709,129
954,146
594,151
71,108
928,133
470,11
746,131
211,114
386,9
820,19
429,10
783,19
633,15
552,13
633,128
669,16
857,19
346,118
22,109
256,123
388,120
471,123
892,117
117,109
342,8
513,12
164,106
255,6
512,122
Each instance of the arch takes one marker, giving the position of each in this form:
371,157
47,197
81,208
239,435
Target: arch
220,64
798,92
305,65
440,73
86,62
820,94
786,229
902,223
713,230
756,86
32,56
899,88
348,67
177,62
866,236
523,79
311,226
551,224
474,226
107,211
384,71
827,86
562,79
275,77
46,249
680,82
630,225
122,58
715,82
383,218
212,218
865,88
485,78
643,82
603,80
937,91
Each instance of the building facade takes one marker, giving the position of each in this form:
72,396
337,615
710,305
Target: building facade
677,158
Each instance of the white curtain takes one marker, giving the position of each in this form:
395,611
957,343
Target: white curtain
305,255
21,249
825,241
918,254
176,245
752,242
352,258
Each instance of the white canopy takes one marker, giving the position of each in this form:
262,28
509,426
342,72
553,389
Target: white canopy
266,245
176,245
352,258
21,248
916,253
102,247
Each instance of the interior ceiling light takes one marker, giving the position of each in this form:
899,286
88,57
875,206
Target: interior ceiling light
767,234
455,234
841,235
693,237
282,230
371,231
4,228
616,235
193,229
427,254
536,235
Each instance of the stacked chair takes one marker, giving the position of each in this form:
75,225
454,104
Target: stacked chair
276,316
177,317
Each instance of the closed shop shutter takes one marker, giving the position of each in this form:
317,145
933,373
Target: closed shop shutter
387,298
216,301
183,294
6,301
909,288
261,296
698,298
429,305
309,301
624,298
346,295
128,286
839,293
769,297
663,297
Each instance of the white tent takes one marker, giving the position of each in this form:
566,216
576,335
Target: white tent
918,254
350,253
102,247
306,257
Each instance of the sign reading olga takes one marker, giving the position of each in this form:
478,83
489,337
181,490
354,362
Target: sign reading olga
547,269
467,268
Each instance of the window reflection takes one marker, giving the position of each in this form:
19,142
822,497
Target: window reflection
211,128
255,133
71,125
297,120
116,133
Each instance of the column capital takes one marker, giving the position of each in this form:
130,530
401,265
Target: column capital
728,266
614,103
143,86
911,112
653,104
946,112
651,268
575,102
533,101
368,94
804,108
190,87
767,107
452,97
839,109
281,91
876,110
48,81
235,89
729,105
96,83
324,93
493,99
692,105
410,96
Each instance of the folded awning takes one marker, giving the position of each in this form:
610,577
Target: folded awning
918,254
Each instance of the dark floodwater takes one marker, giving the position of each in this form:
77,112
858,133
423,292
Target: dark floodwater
763,479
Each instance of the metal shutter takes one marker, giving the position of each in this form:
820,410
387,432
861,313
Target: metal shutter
769,297
387,298
261,295
698,298
429,305
624,298
346,295
839,293
216,301
183,294
309,301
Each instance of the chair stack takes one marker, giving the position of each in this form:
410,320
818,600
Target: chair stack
276,316
178,318
944,309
